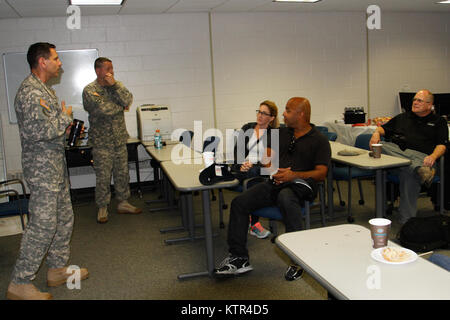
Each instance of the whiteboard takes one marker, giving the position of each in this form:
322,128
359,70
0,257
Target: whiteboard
77,71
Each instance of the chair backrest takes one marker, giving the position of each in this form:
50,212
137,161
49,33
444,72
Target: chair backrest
186,138
362,141
211,143
332,136
322,129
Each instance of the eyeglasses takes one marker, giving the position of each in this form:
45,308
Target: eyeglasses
263,113
292,144
420,100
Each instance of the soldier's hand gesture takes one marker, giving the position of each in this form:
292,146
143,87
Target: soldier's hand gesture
67,110
109,79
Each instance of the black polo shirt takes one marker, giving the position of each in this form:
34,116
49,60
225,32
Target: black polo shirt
307,151
421,133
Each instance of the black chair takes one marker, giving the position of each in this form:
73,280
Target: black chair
347,173
17,204
186,138
211,144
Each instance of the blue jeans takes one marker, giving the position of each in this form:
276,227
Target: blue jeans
441,260
257,197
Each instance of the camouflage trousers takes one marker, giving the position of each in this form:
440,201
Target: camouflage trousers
111,161
48,231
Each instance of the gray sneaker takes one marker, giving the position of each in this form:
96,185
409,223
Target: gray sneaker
426,175
258,231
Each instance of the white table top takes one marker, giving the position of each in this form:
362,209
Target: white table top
185,177
363,160
175,152
339,258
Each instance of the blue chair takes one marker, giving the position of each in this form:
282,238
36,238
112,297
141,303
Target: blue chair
17,204
332,136
347,173
273,213
322,129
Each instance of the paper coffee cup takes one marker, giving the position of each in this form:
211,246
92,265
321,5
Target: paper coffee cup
379,231
208,158
376,148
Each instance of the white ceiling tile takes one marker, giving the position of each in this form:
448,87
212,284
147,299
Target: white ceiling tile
42,8
6,11
146,6
195,5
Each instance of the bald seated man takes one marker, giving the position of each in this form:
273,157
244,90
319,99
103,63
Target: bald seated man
303,153
419,135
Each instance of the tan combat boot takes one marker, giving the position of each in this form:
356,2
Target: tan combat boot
58,276
26,292
125,207
102,215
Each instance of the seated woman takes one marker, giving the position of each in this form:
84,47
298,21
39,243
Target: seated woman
257,146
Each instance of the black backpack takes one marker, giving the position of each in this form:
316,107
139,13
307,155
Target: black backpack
422,234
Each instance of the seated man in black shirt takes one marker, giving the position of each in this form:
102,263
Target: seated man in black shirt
302,153
419,135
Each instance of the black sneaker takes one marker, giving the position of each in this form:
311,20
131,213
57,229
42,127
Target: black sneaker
293,273
233,266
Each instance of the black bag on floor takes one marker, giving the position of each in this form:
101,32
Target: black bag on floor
422,234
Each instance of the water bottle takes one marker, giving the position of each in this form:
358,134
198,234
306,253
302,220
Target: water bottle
158,141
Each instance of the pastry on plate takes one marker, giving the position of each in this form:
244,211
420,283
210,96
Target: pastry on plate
395,254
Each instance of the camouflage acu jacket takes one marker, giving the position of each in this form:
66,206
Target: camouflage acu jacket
105,106
42,126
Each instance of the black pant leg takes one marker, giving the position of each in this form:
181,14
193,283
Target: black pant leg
241,207
291,210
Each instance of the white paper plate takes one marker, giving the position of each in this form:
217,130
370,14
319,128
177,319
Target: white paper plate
376,255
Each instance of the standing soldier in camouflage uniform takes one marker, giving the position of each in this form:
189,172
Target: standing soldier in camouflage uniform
42,126
105,99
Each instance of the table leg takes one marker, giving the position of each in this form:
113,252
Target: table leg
168,196
349,204
208,240
330,192
208,231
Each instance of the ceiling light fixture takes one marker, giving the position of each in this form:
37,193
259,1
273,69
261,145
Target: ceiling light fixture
96,2
298,1
443,2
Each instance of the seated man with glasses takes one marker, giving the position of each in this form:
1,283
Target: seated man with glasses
303,153
419,135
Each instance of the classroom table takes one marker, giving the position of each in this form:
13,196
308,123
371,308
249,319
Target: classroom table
364,161
176,152
185,178
339,258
